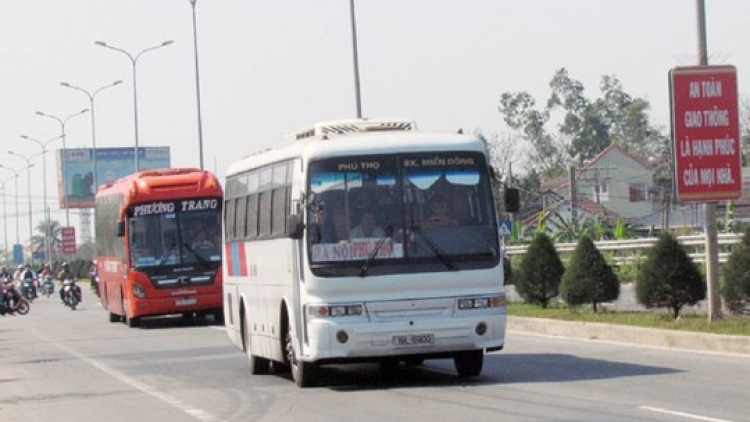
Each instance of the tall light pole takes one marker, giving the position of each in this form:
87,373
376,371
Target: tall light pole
356,59
91,96
133,61
197,85
18,214
47,234
29,165
5,223
62,123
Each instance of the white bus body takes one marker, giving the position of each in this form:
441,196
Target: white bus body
301,291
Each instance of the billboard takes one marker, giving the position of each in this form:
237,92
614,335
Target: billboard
705,133
76,186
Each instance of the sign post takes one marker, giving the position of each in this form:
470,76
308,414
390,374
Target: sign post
68,240
705,133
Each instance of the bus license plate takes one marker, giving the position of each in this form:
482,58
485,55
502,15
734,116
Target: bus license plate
185,302
414,340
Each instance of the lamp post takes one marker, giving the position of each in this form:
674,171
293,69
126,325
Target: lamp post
356,59
47,234
5,223
197,85
18,214
91,96
133,61
29,165
62,123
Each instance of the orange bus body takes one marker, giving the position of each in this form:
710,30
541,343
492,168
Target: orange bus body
154,257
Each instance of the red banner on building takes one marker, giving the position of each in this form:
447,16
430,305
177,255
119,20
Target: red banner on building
68,235
706,133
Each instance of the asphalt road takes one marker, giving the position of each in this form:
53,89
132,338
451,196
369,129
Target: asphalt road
61,365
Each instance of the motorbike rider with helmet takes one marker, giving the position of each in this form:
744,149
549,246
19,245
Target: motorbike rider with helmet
5,277
28,275
66,274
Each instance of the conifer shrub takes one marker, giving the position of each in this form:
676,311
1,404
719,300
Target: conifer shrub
669,278
588,278
540,273
735,284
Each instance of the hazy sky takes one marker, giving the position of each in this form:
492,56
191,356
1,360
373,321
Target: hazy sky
269,67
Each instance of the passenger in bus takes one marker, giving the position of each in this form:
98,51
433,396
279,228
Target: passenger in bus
368,227
202,241
440,215
142,253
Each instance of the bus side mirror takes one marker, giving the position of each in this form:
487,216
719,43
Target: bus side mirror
295,228
120,228
512,200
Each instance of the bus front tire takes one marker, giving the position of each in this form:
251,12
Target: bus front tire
469,363
304,373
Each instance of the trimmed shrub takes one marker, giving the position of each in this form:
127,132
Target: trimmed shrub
540,273
588,278
669,278
735,284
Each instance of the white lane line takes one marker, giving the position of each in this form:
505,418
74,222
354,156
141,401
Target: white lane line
193,411
683,414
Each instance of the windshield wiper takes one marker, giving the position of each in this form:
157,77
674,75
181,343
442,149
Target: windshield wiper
435,248
371,258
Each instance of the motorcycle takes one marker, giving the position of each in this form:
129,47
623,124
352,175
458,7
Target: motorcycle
48,286
15,303
71,293
28,289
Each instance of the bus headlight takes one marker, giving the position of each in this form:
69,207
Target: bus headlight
481,302
333,311
139,291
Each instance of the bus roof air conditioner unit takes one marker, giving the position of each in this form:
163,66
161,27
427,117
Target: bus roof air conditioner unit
345,127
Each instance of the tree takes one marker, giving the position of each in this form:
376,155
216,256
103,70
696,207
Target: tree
735,286
540,272
669,278
588,278
38,241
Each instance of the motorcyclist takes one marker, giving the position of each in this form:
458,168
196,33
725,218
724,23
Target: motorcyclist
46,276
5,276
66,274
28,274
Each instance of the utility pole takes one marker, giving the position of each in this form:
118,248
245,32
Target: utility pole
573,199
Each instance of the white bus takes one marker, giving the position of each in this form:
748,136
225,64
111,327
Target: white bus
363,240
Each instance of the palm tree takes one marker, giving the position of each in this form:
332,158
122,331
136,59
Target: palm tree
38,241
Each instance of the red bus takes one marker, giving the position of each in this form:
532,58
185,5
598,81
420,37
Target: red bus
158,237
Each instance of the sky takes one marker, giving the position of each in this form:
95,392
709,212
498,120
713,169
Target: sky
270,67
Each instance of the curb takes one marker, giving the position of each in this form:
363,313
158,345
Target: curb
668,339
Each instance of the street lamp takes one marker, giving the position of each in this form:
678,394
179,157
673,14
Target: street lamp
62,123
43,146
133,60
91,96
29,165
18,214
356,59
197,85
5,223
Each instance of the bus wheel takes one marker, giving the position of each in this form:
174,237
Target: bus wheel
258,365
132,321
114,317
304,373
469,364
219,316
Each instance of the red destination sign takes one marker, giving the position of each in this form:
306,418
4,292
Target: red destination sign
68,235
706,133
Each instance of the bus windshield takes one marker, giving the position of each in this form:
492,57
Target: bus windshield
412,209
167,233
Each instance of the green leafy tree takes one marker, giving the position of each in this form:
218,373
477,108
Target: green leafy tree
735,286
55,239
588,278
669,278
540,273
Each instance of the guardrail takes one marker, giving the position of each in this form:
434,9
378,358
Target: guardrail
631,249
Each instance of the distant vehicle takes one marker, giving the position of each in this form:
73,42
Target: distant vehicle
153,245
363,240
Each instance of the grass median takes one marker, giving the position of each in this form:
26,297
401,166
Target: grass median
729,324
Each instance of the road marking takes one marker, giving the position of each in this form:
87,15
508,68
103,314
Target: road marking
683,414
193,411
